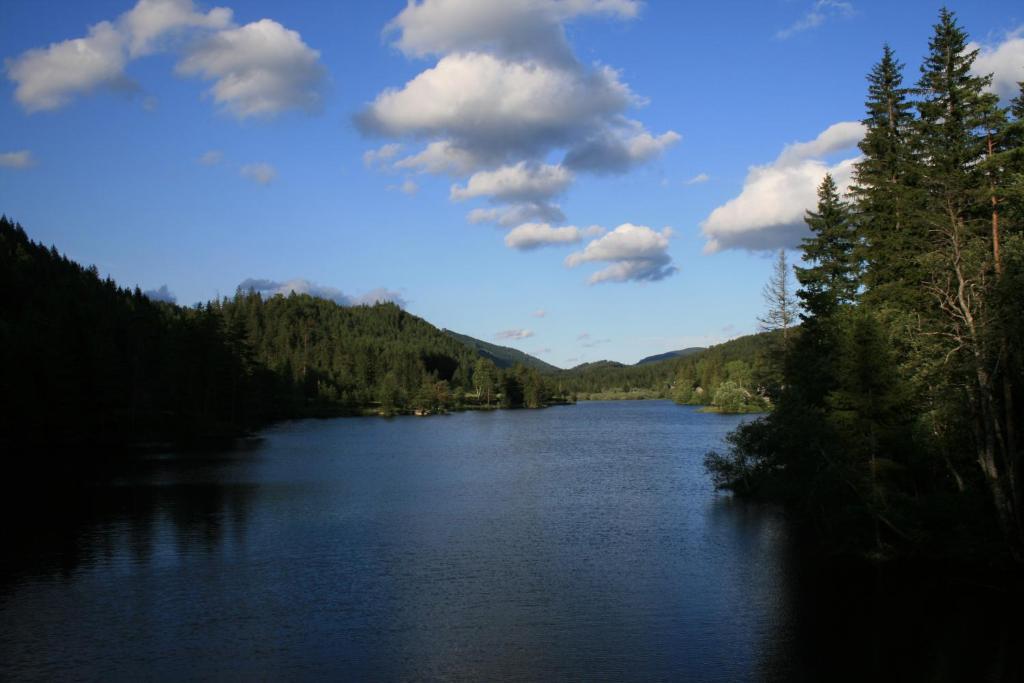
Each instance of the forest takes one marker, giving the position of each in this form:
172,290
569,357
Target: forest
896,429
89,363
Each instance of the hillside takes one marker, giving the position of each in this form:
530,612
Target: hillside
503,356
90,363
691,376
668,355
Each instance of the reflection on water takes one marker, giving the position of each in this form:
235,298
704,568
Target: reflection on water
578,542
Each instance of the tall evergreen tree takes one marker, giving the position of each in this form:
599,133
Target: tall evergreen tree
832,278
883,189
958,118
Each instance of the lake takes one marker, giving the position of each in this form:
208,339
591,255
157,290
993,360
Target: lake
580,542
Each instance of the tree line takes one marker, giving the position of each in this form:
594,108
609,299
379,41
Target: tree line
896,429
87,362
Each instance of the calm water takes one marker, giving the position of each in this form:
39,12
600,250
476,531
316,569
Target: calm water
577,543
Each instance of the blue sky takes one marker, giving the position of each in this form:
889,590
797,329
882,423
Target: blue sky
183,145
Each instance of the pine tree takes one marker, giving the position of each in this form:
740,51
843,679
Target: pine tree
958,119
883,188
833,277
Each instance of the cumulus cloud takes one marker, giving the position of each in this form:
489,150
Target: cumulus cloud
534,235
498,108
47,78
259,69
611,152
517,214
261,173
513,334
698,179
511,28
835,138
769,211
522,182
21,159
820,12
635,252
161,294
539,313
151,20
504,99
382,155
1005,61
211,157
441,156
270,288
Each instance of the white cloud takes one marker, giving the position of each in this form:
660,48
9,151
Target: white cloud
512,28
835,138
769,211
382,155
47,78
513,334
1005,61
497,108
211,157
20,159
533,235
636,252
521,182
506,97
819,13
260,69
539,313
517,214
270,288
441,156
150,20
698,179
612,152
262,173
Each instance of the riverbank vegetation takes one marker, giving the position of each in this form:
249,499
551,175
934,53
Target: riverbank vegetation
896,431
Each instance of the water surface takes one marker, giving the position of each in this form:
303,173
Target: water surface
578,542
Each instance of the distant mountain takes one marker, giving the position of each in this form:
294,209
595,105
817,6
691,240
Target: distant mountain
668,355
502,356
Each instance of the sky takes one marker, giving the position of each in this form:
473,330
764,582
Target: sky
578,179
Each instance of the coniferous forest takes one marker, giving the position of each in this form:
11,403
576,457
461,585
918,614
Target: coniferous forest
897,429
90,363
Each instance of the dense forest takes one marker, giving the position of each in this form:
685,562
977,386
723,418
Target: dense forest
89,362
896,432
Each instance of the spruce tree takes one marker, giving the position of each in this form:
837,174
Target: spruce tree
958,120
832,278
884,188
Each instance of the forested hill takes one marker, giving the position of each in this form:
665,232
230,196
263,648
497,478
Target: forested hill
741,365
502,356
668,355
87,361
